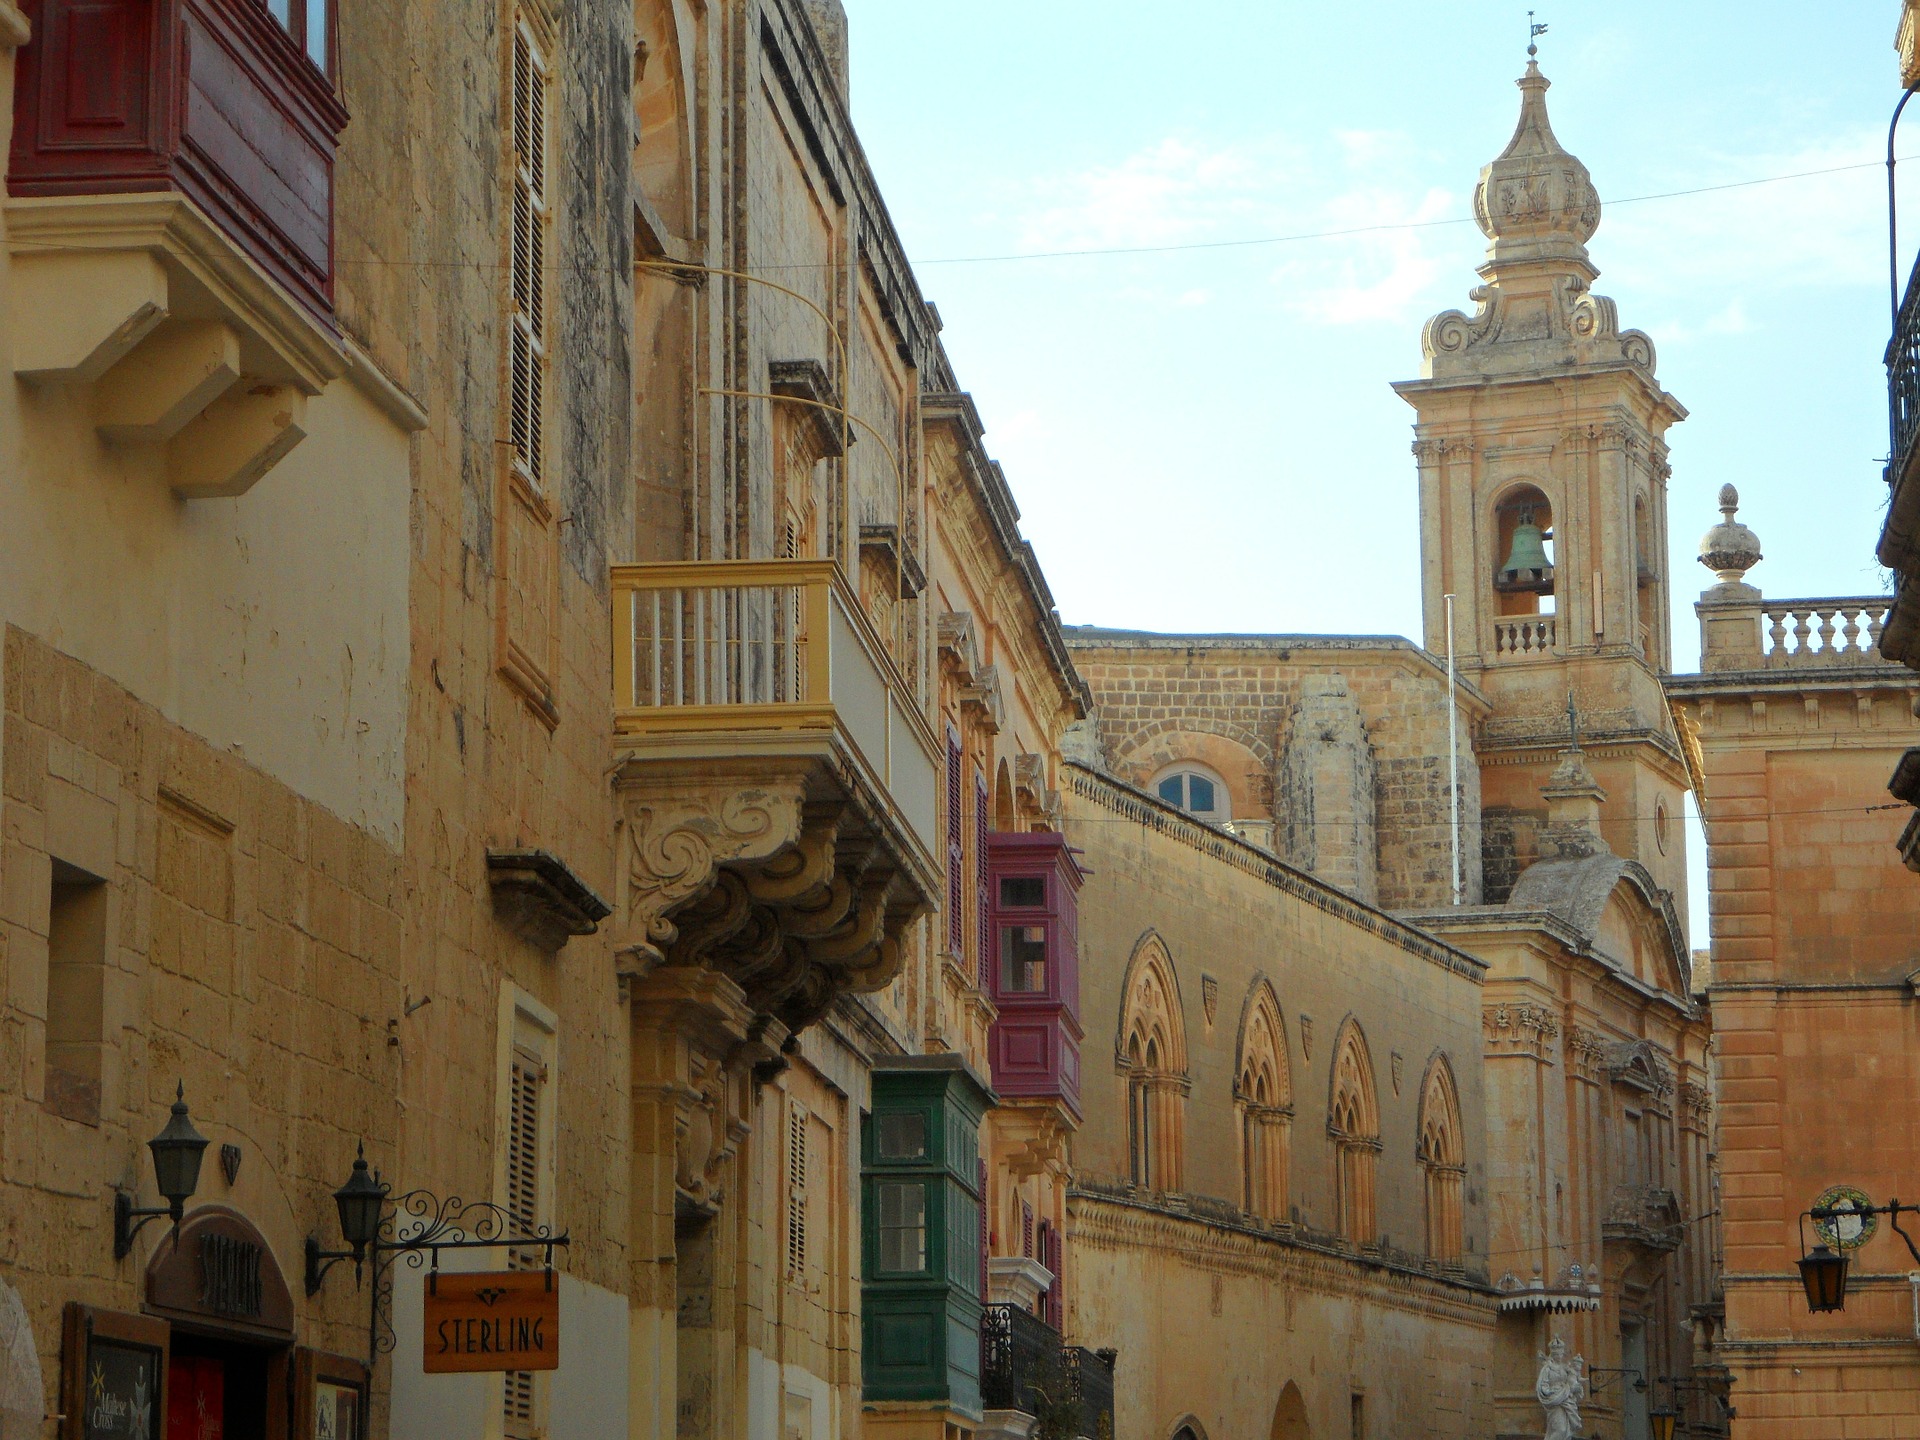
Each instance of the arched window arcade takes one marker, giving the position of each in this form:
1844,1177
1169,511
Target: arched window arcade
1263,1098
1152,1057
1353,1124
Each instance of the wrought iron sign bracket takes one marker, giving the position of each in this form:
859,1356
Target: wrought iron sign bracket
419,1225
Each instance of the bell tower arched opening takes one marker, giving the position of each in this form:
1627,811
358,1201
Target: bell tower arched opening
1523,535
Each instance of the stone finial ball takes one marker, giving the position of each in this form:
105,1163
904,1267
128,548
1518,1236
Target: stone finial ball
1730,549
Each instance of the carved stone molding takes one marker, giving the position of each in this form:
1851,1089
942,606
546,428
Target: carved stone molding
788,884
540,897
1519,1029
982,700
679,834
805,385
959,645
698,1050
1636,1065
1587,1049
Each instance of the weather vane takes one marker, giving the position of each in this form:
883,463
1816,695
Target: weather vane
1534,32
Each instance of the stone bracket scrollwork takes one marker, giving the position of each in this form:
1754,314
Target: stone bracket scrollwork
680,832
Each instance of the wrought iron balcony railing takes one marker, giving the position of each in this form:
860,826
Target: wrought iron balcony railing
766,653
1903,376
1090,1376
1025,1367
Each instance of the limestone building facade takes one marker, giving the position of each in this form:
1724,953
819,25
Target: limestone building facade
1799,718
1588,1163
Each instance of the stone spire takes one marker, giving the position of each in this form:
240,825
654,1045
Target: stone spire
1535,202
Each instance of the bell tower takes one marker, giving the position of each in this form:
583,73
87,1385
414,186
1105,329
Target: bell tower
1540,441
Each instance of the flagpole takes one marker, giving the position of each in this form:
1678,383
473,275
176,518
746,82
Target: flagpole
1453,756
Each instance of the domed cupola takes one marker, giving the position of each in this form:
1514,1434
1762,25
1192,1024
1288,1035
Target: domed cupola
1535,201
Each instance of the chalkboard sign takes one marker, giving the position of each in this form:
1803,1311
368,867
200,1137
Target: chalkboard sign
123,1392
114,1369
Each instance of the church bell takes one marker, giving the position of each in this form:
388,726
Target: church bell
1527,571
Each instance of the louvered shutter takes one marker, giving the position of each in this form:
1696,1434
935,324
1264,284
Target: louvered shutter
985,1243
796,1193
524,1082
527,360
1056,1292
985,895
956,858
1026,1229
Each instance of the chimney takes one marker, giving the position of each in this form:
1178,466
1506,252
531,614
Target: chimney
830,28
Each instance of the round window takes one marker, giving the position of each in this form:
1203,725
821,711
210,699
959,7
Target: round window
1660,825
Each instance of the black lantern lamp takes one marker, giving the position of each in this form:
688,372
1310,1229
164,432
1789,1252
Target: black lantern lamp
177,1150
1662,1421
1823,1272
361,1203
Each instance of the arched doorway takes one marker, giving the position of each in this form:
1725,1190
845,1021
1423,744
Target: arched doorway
1290,1416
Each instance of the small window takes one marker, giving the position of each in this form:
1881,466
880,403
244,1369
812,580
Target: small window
310,23
1023,958
903,1136
1202,796
1023,892
903,1227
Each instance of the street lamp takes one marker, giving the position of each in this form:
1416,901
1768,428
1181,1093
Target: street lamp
1662,1421
360,1203
177,1150
1823,1271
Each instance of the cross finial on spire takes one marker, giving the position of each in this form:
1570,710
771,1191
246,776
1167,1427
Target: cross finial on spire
1573,724
1534,32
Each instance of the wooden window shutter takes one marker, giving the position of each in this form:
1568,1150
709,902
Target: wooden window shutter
986,1243
981,825
796,1192
527,358
956,857
526,1075
1026,1229
1054,1259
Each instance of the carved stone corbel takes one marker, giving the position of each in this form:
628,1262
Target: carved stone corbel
680,831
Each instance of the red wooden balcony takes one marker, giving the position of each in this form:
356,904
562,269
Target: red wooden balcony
214,99
1033,966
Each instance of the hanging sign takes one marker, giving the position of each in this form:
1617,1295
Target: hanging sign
501,1320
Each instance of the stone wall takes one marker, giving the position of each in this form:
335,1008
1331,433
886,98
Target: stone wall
252,953
1813,948
1231,701
1262,1303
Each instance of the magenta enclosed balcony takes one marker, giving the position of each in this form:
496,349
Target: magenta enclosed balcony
1033,966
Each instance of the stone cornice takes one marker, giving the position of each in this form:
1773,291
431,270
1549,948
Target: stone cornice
1157,815
1103,1222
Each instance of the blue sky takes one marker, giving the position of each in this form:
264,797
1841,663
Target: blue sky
1206,439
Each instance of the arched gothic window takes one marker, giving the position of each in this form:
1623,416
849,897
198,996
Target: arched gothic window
1353,1124
1263,1096
1443,1161
1152,1057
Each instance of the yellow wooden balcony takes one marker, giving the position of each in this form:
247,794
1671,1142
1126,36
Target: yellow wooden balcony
778,778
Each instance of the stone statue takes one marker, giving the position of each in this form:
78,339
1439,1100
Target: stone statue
1560,1389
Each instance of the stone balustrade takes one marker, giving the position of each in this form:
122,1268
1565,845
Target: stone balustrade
1742,631
1524,637
1836,631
